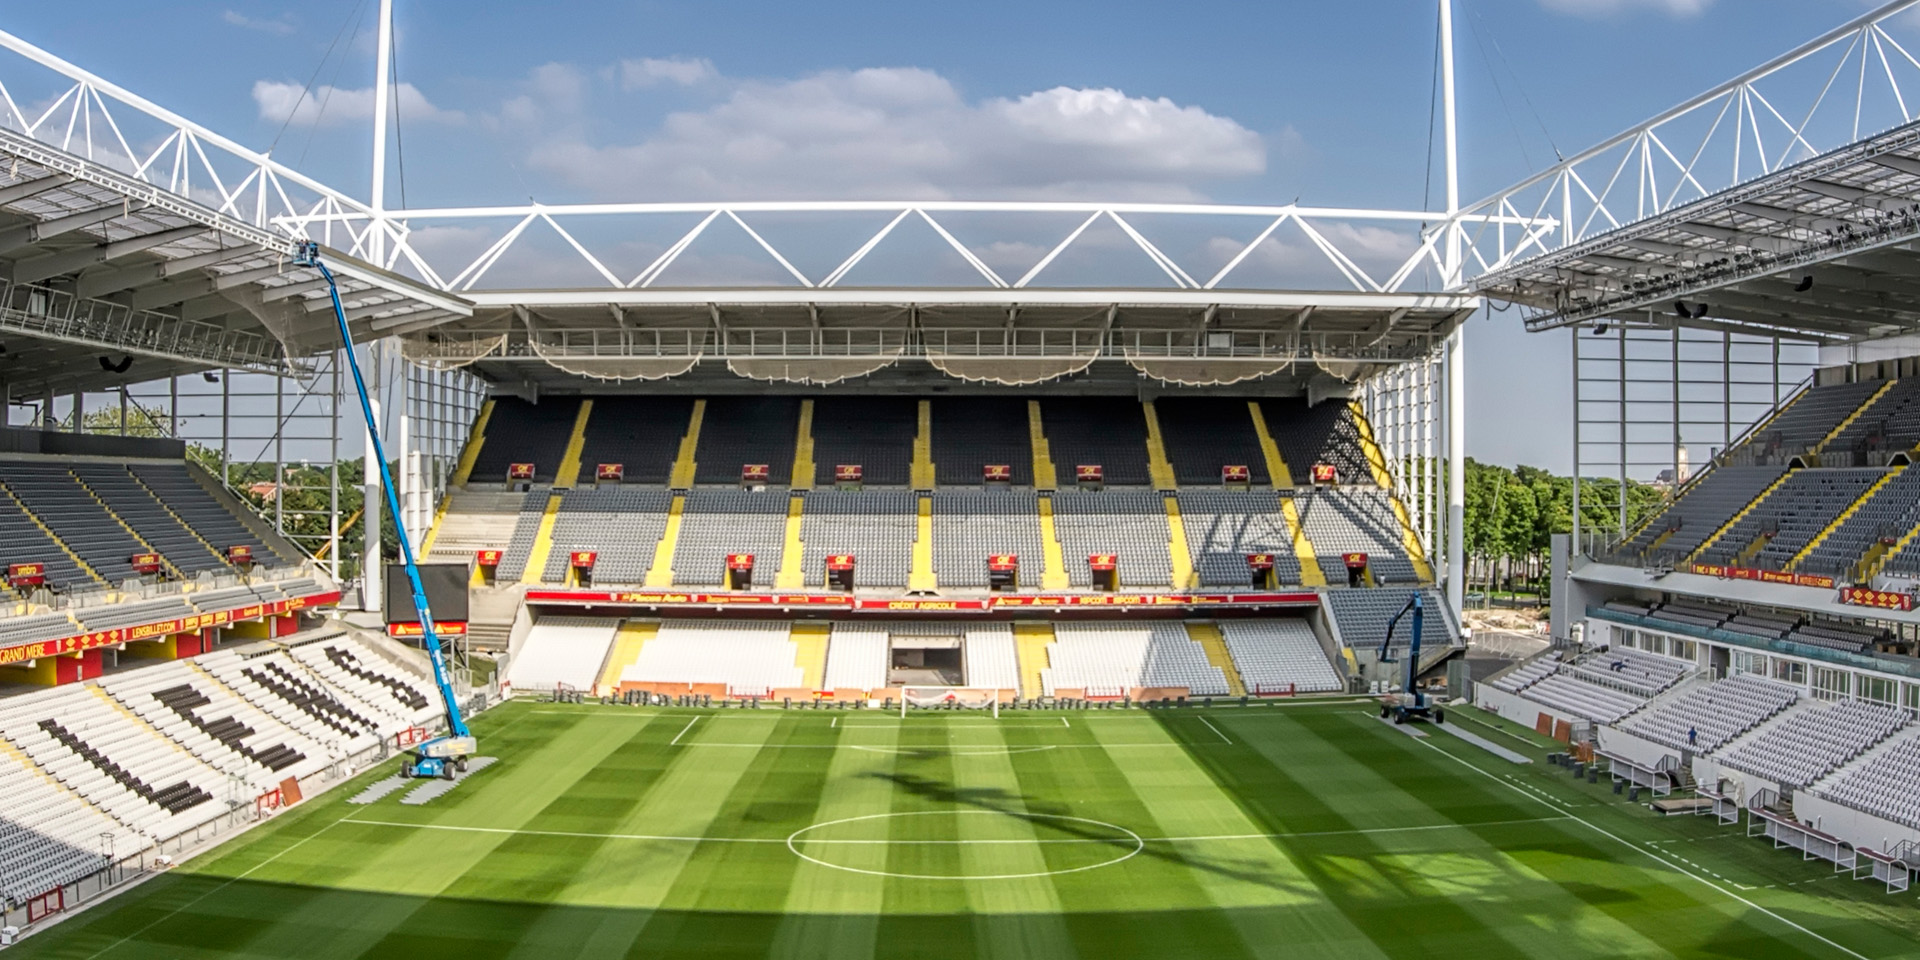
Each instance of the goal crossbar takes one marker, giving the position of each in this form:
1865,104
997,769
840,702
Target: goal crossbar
950,698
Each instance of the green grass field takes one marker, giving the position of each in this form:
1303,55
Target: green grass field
1293,831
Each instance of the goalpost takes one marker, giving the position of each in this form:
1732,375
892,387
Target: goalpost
950,698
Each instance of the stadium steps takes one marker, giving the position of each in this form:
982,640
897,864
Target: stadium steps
627,641
162,501
1847,421
62,544
1310,573
568,474
1736,518
1044,477
543,539
1377,463
920,575
685,468
803,467
145,546
1852,508
1053,571
1277,469
1210,639
793,552
1030,643
810,652
1179,556
471,520
470,454
1877,557
661,573
923,473
1158,466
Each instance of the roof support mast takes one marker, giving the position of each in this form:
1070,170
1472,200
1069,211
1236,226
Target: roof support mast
372,567
1456,342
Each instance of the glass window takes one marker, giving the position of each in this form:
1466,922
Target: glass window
1830,684
1790,671
1877,689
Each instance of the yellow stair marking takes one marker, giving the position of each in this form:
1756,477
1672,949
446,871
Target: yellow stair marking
684,465
810,652
139,723
1821,447
542,542
920,576
569,472
1729,525
1179,557
1053,571
1158,467
1210,639
1878,555
62,544
923,449
627,641
1377,463
661,573
1276,465
792,575
470,454
1310,574
1044,477
803,449
1852,508
189,527
1030,642
145,547
433,531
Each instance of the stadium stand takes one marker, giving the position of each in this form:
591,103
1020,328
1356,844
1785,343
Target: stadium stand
478,520
1203,434
286,691
1110,659
742,430
642,434
971,525
1097,430
1790,517
522,432
225,732
27,542
1803,423
1837,636
1129,523
50,836
991,660
622,524
1890,425
751,657
971,432
1808,744
1280,656
1326,432
1882,783
1645,674
1342,520
1890,512
876,526
1702,508
400,695
1526,674
81,522
526,526
1362,617
1714,713
173,484
719,522
857,656
127,769
134,505
874,432
1223,526
563,651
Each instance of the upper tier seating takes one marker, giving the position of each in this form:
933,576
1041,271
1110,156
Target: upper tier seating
1324,433
522,432
1342,520
1647,674
1884,784
857,656
719,522
1223,526
642,434
1702,509
1891,425
1129,523
520,538
1203,434
1805,422
1717,712
971,525
876,526
1572,695
875,433
1893,510
740,430
60,502
1809,744
991,658
1763,625
563,650
23,541
478,520
1837,636
622,524
1362,617
1692,612
1795,512
1103,431
751,657
174,486
972,432
1109,659
134,504
1282,655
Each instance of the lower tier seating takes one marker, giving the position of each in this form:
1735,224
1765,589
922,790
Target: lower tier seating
1280,656
563,650
1707,716
1110,659
1809,744
751,657
991,659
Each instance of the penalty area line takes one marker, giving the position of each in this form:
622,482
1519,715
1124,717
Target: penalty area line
1216,730
683,732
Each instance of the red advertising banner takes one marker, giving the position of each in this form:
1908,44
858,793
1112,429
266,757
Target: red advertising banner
997,473
828,600
1003,561
145,562
1103,561
848,473
755,473
239,553
739,561
1260,561
1883,599
1090,473
520,471
1236,473
1763,576
840,561
922,606
1325,473
610,471
582,559
488,558
1355,561
445,628
165,628
26,574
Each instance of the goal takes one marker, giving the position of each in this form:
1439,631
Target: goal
950,698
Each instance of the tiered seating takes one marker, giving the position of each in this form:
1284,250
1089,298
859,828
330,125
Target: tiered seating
1893,510
1355,520
1794,513
1174,660
1805,422
621,524
1224,526
642,434
876,526
39,626
1716,712
1837,636
741,430
991,659
1362,616
1109,659
1692,612
1805,746
395,695
74,516
174,486
1325,433
750,657
1526,675
132,614
1647,674
1709,503
857,656
971,525
285,691
1885,784
563,650
25,542
1276,656
50,836
526,529
971,432
1203,434
1097,430
1892,424
1634,607
226,732
477,520
522,432
1569,694
182,547
1761,625
1129,523
720,522
875,432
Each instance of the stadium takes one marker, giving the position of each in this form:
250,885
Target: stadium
373,595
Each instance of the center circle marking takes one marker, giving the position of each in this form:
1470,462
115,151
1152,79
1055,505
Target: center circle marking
1122,835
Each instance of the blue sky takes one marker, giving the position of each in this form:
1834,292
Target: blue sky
1235,102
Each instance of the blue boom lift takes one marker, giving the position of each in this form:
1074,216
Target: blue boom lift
440,756
1410,705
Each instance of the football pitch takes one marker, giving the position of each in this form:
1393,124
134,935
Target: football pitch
1304,830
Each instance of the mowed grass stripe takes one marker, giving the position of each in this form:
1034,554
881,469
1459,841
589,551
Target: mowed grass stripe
926,918
832,913
1021,915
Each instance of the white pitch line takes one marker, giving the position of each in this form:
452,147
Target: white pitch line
683,732
1064,723
835,723
1215,729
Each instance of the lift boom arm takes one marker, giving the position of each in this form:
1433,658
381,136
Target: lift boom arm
1418,610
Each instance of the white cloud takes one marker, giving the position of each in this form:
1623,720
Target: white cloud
279,26
677,71
1598,9
336,106
908,133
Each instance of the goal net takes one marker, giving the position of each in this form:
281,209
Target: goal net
949,698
